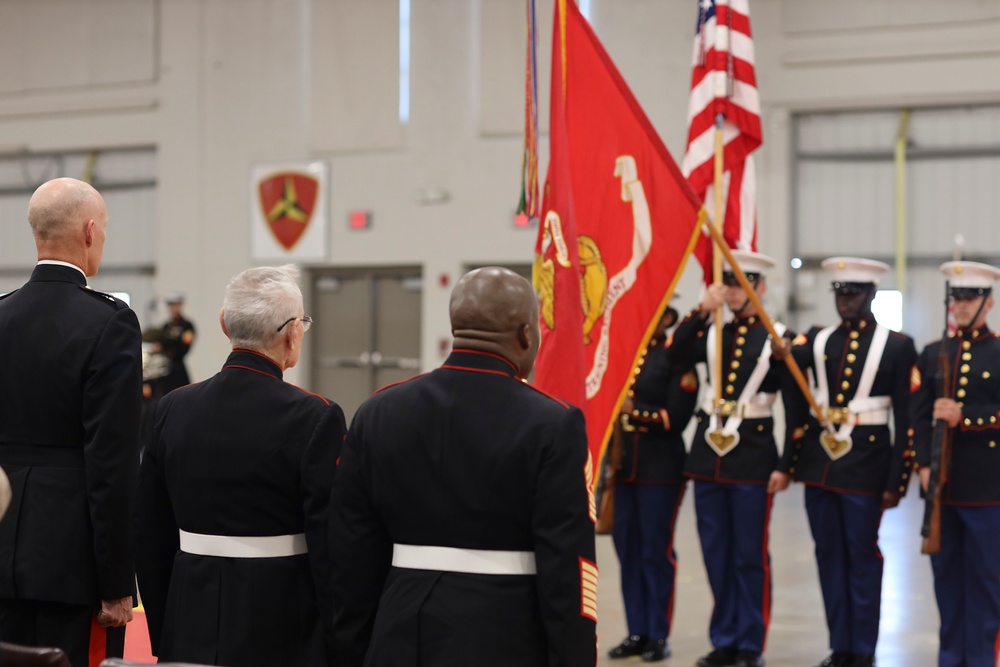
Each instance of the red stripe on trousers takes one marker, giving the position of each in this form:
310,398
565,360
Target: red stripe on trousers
98,650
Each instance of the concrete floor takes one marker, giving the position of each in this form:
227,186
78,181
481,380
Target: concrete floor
798,635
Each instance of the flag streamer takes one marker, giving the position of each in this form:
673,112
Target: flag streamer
529,204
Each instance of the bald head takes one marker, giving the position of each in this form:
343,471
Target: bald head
60,204
496,310
67,219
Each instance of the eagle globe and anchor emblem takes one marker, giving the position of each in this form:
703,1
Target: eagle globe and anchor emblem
598,292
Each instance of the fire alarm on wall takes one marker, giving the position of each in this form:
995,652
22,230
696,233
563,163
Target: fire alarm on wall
359,220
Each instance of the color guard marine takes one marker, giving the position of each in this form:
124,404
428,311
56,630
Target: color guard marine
854,470
732,461
649,487
966,572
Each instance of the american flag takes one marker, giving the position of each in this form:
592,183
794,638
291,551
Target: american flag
723,82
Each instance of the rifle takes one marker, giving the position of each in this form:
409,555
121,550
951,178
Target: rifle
606,509
940,451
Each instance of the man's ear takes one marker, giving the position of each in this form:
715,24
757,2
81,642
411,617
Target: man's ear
524,336
88,232
222,321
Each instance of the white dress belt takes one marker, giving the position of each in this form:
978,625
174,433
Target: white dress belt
877,417
470,561
236,546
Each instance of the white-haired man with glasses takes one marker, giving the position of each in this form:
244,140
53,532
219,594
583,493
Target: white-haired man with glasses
231,527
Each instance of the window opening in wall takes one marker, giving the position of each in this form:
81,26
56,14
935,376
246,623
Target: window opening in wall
887,307
124,296
127,179
856,192
404,61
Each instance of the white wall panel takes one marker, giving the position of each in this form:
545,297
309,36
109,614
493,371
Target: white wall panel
502,43
58,44
352,61
824,16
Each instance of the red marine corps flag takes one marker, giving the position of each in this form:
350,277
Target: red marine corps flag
618,222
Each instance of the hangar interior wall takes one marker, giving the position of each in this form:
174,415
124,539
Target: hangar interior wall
207,89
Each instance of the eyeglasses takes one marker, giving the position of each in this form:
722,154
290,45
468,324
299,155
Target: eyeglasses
306,321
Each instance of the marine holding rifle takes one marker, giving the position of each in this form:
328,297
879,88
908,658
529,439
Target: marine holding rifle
854,469
733,459
966,571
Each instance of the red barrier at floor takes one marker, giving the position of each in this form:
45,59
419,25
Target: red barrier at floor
137,640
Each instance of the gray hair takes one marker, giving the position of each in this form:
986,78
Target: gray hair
258,301
57,204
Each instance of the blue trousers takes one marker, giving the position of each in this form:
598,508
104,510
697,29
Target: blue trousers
733,524
845,530
967,586
645,516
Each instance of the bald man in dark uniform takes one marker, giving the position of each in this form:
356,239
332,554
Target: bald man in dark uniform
69,431
461,529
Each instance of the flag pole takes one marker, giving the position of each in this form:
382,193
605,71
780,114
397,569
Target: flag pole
793,366
716,225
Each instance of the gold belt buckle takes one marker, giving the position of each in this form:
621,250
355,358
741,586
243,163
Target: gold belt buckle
727,408
626,425
838,415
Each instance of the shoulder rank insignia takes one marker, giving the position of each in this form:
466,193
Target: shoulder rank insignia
916,381
107,298
689,382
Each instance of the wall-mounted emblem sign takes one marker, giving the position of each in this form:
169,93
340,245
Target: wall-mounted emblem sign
289,211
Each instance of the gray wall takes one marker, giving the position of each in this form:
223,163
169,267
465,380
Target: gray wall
218,86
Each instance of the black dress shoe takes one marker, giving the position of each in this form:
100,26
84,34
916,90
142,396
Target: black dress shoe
749,659
838,659
633,645
862,660
719,657
656,650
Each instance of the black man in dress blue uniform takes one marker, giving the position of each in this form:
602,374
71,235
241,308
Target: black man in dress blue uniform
966,571
733,460
855,470
649,487
462,531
